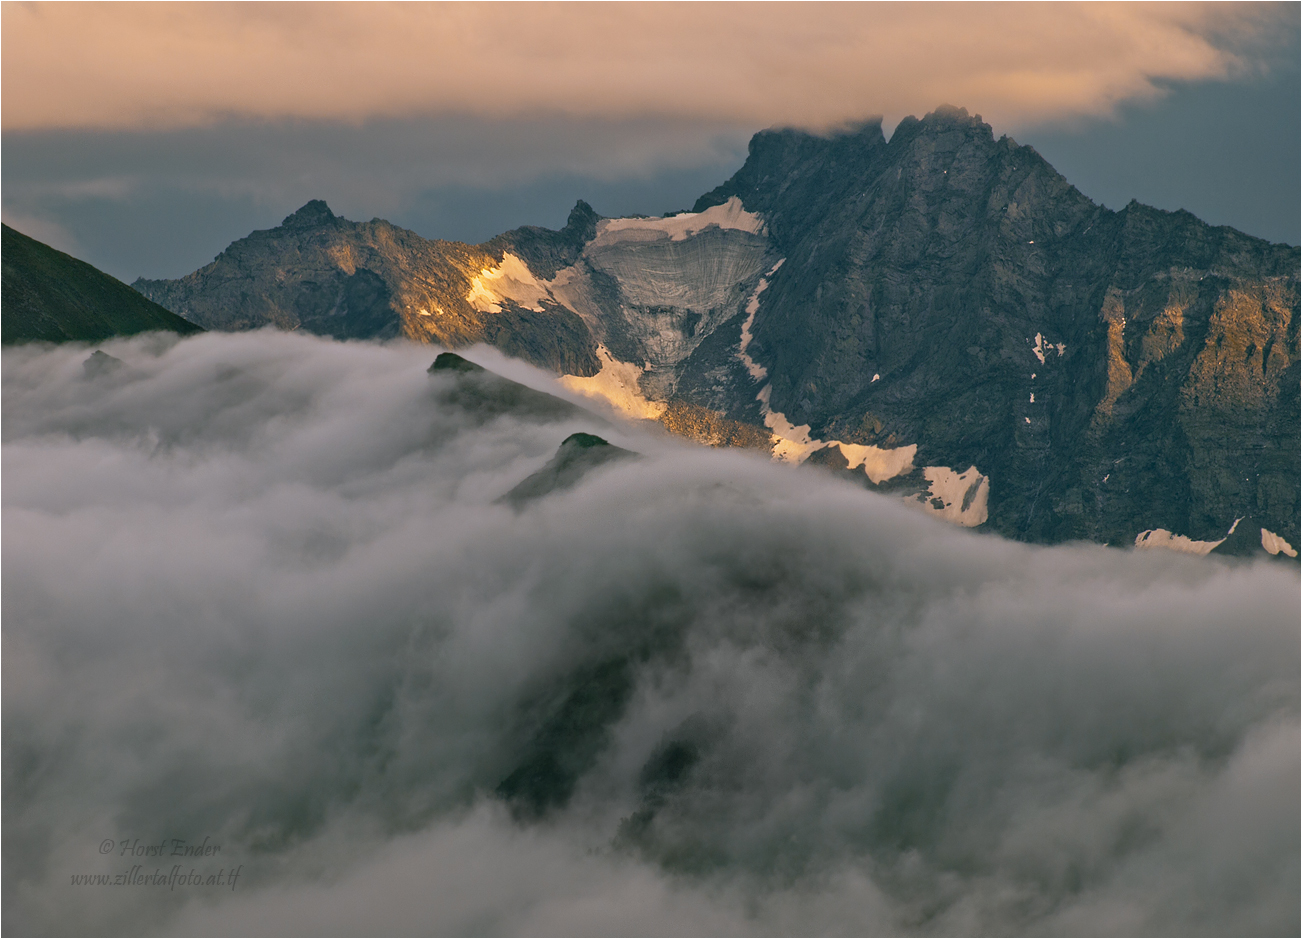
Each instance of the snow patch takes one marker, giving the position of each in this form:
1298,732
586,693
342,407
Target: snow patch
678,227
1161,538
794,445
1041,347
618,384
1274,544
963,497
880,464
510,280
757,371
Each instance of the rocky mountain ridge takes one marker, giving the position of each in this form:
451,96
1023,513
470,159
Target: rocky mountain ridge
942,316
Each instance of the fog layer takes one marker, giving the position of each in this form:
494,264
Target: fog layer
263,589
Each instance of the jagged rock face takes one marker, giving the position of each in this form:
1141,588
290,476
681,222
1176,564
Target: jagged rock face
1101,368
372,280
942,316
652,290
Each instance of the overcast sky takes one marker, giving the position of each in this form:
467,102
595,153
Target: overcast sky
146,138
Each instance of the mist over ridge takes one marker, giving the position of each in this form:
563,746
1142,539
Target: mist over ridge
268,592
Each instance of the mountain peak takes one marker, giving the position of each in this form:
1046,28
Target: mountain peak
311,215
582,222
944,119
787,152
577,455
948,112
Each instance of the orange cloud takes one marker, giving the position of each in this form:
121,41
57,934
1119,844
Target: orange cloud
171,65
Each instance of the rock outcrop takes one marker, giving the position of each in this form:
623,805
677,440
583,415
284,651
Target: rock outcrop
577,456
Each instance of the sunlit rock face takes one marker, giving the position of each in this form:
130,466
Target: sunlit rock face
941,316
652,290
373,280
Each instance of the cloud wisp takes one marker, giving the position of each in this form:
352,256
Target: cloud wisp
169,65
184,180
262,589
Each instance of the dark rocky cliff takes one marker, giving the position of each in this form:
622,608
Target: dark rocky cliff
1166,371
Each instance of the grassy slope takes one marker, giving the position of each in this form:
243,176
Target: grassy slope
51,296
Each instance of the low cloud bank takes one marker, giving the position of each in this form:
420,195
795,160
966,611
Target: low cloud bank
260,589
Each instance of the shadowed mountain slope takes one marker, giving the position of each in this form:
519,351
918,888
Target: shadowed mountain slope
953,290
52,297
578,454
